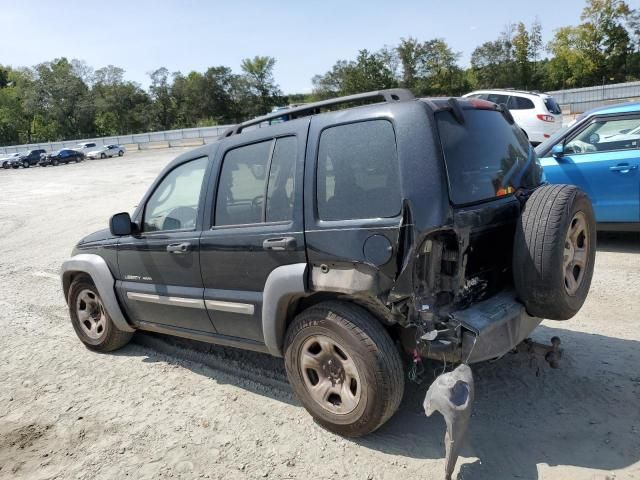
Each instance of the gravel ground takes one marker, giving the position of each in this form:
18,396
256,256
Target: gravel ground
163,408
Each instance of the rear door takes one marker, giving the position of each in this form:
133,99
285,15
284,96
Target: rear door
255,223
603,159
160,280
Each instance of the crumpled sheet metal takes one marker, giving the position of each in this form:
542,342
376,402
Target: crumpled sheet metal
452,395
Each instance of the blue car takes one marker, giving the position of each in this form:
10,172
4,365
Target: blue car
600,153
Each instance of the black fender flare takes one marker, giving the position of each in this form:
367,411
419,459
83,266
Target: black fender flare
284,285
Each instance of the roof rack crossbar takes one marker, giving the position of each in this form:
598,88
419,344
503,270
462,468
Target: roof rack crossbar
390,95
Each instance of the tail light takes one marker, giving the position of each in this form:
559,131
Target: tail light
546,118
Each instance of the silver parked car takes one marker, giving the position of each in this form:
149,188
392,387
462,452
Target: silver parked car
7,160
107,151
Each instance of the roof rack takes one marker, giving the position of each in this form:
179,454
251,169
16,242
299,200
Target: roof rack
390,95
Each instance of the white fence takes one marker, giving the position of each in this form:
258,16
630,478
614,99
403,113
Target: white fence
170,138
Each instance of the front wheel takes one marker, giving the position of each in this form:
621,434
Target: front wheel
344,368
103,156
90,319
26,164
54,163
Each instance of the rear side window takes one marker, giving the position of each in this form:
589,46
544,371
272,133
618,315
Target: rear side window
357,174
251,172
486,157
242,185
281,181
520,103
552,106
497,98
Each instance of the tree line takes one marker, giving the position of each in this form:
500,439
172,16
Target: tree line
64,99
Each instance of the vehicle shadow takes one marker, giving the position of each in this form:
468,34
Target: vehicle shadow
619,242
584,414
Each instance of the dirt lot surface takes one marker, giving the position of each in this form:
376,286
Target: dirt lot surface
174,409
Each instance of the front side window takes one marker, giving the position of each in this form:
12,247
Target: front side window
606,136
174,203
357,174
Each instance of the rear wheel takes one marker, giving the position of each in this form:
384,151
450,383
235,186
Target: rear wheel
344,368
554,251
120,153
91,321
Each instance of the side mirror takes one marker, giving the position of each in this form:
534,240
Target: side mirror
557,150
120,224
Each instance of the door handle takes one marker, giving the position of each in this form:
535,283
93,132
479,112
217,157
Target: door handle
280,243
623,167
179,248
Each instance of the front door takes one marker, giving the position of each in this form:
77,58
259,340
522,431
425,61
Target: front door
603,159
160,280
256,223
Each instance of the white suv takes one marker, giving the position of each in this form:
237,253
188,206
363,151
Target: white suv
537,114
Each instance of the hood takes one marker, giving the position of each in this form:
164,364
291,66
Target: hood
98,236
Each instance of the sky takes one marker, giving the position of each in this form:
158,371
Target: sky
305,37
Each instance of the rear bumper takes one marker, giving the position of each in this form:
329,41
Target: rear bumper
484,331
493,327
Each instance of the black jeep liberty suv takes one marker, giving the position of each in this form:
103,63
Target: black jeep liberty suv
338,238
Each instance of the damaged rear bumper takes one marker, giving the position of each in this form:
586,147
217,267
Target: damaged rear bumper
485,330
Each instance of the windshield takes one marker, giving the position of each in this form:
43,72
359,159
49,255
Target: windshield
552,106
485,157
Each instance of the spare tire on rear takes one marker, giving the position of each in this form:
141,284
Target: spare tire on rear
554,251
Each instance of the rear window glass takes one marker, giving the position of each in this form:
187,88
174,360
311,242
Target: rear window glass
358,172
552,106
486,157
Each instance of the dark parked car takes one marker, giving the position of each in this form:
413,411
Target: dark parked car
65,155
333,238
28,158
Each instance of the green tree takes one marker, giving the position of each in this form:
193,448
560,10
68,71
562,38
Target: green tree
163,102
259,85
367,73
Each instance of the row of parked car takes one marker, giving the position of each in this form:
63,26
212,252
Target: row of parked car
40,156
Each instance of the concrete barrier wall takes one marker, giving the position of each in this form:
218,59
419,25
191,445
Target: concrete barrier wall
185,137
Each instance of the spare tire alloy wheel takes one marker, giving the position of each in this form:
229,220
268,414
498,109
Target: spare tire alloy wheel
554,251
576,250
